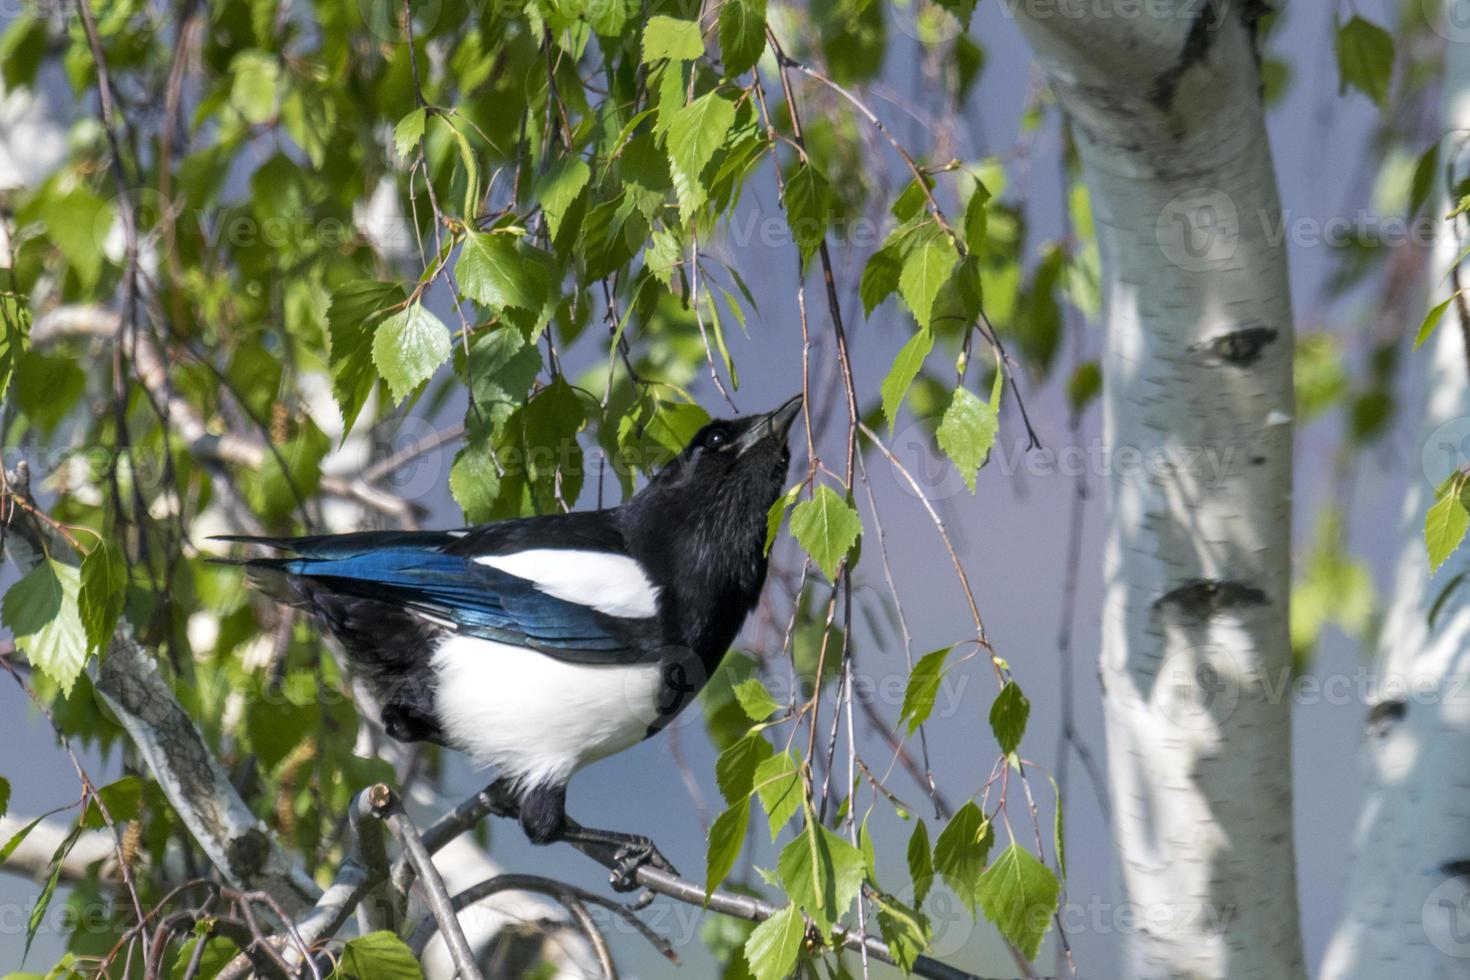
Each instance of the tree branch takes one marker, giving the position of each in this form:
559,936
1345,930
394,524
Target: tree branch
389,809
496,799
130,683
151,369
32,857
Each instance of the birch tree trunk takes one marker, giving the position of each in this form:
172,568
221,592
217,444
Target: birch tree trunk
1407,911
1164,101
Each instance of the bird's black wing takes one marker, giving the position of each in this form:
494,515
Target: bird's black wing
436,577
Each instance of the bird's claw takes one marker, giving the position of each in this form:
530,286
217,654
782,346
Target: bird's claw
634,855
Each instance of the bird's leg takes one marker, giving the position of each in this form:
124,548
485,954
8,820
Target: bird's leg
629,852
543,815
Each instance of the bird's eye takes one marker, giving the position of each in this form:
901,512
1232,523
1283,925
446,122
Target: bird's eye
716,439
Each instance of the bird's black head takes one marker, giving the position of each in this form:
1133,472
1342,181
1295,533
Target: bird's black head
700,523
732,464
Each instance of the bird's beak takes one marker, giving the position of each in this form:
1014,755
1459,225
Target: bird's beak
773,425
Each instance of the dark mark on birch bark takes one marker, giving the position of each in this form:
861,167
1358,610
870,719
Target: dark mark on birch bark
1238,348
1196,44
1203,598
1384,715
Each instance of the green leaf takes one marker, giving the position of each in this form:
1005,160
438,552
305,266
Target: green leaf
778,784
904,929
123,800
880,278
253,86
218,952
662,255
1084,385
1059,830
736,767
1422,183
755,699
777,512
41,610
976,219
742,34
24,43
773,947
104,585
827,526
290,473
77,223
923,686
865,842
808,209
4,795
926,268
1365,59
960,852
502,368
671,38
921,862
608,19
719,332
822,873
43,901
1019,896
409,131
356,309
1444,525
910,203
560,187
1432,318
696,131
967,432
18,838
378,956
726,835
1008,714
1437,606
553,462
906,367
492,272
408,348
15,330
475,483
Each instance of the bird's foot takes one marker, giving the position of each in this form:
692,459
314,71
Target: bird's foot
636,852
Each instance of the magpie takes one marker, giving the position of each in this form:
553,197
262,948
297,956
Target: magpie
538,645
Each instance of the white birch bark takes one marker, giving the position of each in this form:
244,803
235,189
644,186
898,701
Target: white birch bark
1407,910
1165,104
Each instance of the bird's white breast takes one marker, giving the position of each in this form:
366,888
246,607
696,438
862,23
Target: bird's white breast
610,583
534,718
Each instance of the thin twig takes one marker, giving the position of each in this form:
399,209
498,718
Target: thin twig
386,805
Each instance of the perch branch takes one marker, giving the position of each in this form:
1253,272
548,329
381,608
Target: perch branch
495,799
